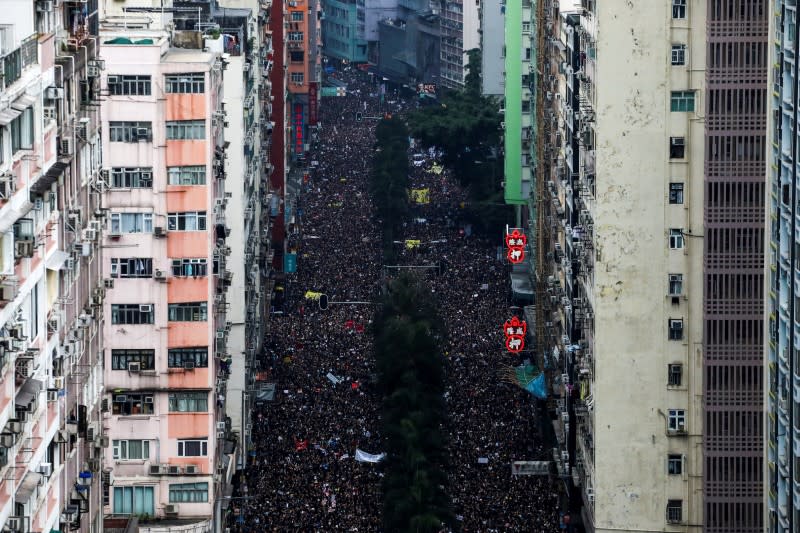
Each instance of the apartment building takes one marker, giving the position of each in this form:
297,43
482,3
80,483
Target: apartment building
165,266
643,205
343,28
782,343
458,22
50,347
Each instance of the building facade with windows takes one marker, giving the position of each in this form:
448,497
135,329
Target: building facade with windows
343,28
50,347
782,342
165,267
652,320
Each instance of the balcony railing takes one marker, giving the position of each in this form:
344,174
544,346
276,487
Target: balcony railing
16,61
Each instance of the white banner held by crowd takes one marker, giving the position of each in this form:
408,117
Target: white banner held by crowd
530,468
364,457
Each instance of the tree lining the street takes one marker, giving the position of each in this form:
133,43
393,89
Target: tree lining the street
389,180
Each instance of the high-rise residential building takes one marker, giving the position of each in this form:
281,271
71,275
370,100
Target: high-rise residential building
459,23
638,166
492,16
343,30
782,340
166,268
50,342
409,44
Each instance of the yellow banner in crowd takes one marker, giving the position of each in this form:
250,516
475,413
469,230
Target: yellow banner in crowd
437,169
421,196
311,295
412,243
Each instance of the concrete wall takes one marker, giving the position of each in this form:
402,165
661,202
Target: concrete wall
493,24
632,217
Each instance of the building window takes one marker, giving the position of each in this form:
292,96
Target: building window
681,101
130,132
296,36
132,404
131,267
132,314
676,193
185,83
131,450
22,131
675,284
675,239
129,85
189,267
526,27
677,148
188,312
674,464
134,500
186,130
179,357
674,375
131,178
131,223
675,329
297,77
674,511
678,54
676,420
120,359
193,448
188,492
297,56
297,16
188,402
188,221
190,175
679,9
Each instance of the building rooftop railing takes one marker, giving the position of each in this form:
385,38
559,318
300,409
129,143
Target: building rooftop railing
16,61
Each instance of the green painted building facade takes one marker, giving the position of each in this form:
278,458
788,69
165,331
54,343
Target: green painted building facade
342,32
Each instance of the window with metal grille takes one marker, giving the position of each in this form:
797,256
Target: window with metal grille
674,511
298,77
678,54
137,500
179,357
674,375
120,359
130,132
189,267
130,85
188,312
186,130
675,329
194,83
187,221
132,177
187,175
22,131
188,402
132,314
681,101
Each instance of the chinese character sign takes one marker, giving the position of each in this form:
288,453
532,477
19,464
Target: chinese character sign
299,124
515,244
514,331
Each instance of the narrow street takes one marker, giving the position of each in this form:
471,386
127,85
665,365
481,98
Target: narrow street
304,475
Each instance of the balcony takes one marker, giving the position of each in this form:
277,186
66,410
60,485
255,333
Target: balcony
16,61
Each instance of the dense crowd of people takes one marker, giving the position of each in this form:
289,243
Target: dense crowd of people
303,475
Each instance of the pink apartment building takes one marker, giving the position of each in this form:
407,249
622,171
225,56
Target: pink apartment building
164,265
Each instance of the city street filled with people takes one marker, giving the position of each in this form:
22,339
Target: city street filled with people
304,471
